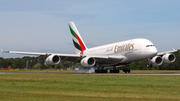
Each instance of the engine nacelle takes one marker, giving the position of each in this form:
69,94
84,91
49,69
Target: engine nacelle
88,62
156,61
52,60
169,58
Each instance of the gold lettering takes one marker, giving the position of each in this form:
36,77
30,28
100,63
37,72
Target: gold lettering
127,47
108,50
115,49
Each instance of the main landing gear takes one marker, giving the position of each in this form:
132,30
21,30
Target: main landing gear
100,70
114,70
126,70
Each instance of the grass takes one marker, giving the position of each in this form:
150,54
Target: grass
84,87
39,71
72,71
155,71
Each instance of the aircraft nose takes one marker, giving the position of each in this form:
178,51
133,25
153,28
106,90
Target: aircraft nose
154,51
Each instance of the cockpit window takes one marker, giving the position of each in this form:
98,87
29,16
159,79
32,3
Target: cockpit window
150,46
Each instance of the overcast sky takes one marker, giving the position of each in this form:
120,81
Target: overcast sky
42,25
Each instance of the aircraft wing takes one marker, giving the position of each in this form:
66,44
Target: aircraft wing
70,57
45,54
162,53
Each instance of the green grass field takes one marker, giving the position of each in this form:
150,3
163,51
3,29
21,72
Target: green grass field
72,71
85,87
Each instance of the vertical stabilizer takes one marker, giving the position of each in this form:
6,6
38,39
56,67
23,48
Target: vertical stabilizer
77,40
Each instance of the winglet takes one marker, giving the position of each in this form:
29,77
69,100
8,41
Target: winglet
1,51
174,49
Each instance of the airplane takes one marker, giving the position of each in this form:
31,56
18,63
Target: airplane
110,55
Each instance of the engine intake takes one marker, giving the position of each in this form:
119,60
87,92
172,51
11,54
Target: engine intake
88,62
169,58
156,61
52,60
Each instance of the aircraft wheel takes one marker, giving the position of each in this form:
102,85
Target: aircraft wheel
100,71
126,70
114,71
129,70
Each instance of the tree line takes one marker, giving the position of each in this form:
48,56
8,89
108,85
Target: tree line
38,63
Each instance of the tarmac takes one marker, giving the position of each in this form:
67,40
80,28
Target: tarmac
94,73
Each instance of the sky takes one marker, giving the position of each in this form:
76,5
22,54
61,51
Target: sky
42,25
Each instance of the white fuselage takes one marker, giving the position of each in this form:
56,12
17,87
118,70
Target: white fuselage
131,51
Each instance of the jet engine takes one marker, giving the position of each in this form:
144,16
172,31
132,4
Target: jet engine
156,61
88,62
52,60
169,58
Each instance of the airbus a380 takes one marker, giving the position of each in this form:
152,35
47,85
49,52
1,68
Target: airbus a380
111,55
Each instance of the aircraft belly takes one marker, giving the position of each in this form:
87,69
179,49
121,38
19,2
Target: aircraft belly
136,57
112,62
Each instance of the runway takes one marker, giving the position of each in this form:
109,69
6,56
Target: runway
94,73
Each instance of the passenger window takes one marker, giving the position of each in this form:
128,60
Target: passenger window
149,45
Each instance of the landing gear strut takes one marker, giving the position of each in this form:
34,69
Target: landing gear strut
149,64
